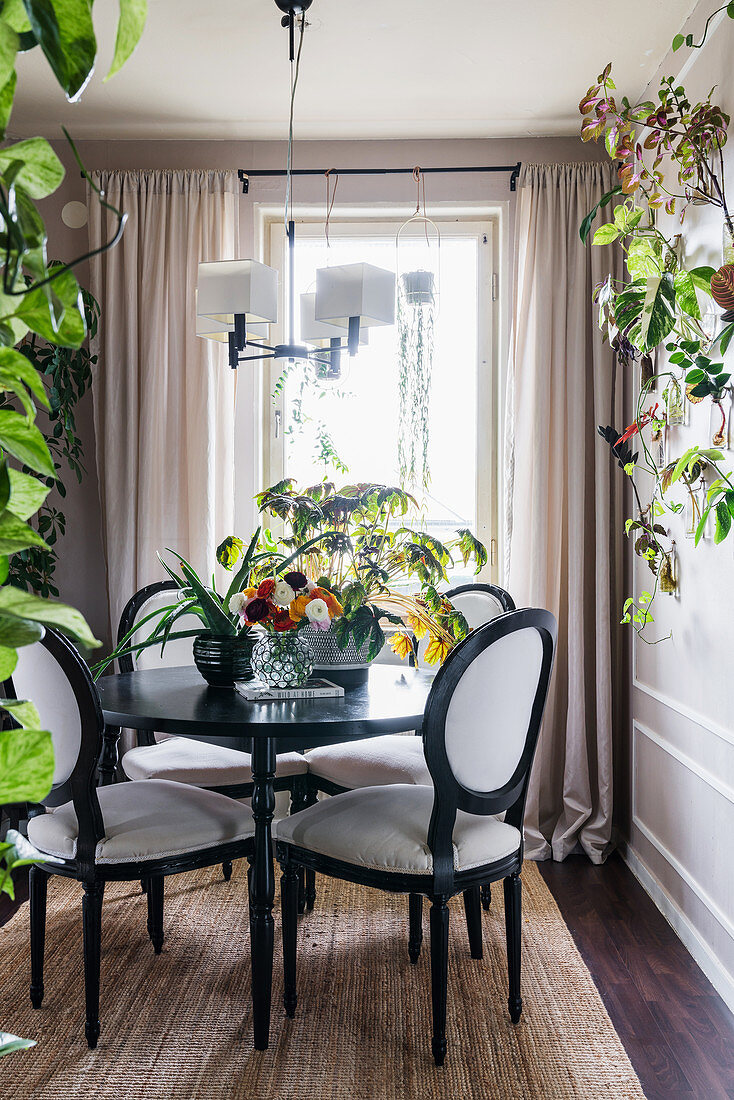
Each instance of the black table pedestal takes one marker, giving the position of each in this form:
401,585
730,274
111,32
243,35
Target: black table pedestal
262,887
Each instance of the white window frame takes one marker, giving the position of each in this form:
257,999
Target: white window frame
265,454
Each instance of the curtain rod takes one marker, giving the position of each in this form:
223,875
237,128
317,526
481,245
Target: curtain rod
513,169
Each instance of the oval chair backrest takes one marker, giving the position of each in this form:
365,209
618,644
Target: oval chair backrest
52,674
478,603
483,714
178,652
38,676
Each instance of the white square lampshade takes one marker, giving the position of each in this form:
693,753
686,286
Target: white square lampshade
355,290
319,333
211,329
227,287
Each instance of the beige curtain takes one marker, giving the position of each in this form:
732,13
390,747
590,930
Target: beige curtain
163,397
565,502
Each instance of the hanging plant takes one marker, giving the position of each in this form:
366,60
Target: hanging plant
416,323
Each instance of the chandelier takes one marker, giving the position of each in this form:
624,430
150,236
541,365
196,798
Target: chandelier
236,300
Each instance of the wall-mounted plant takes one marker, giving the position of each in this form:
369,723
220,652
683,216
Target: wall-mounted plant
669,153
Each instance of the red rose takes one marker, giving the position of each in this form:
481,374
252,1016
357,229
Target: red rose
295,579
266,588
257,610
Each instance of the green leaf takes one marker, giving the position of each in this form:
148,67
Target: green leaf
723,521
605,234
8,661
15,535
25,442
658,314
129,29
8,50
41,172
7,95
219,621
15,363
26,765
685,294
678,41
15,633
66,35
24,712
24,605
644,258
702,277
10,1043
27,494
60,321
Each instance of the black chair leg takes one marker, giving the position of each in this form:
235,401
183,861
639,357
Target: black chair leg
301,890
473,910
38,885
143,886
439,975
227,870
486,897
415,926
92,931
513,923
289,889
310,888
155,912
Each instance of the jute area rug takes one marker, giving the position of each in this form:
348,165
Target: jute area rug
180,1024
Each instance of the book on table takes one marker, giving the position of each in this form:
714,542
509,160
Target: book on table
257,691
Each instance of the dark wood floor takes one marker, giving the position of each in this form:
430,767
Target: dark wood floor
677,1031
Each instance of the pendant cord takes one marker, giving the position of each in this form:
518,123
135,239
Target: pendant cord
330,199
295,70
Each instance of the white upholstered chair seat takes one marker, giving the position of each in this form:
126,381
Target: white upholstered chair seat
145,821
185,760
385,828
372,762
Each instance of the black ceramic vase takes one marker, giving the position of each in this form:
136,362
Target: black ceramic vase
223,658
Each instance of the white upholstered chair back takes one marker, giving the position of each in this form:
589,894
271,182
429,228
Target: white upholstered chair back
479,604
490,710
38,676
179,651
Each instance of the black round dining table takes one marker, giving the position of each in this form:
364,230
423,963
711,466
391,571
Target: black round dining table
177,701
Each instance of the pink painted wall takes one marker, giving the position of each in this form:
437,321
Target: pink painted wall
81,567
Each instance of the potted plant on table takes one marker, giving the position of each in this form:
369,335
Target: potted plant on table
357,543
223,649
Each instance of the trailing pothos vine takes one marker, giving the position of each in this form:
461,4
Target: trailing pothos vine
669,153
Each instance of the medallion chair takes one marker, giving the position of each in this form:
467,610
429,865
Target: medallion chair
395,758
181,759
480,730
122,832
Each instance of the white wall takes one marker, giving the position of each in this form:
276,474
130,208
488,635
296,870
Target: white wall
681,811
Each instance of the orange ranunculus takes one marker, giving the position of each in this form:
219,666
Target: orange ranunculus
297,609
335,608
249,593
266,588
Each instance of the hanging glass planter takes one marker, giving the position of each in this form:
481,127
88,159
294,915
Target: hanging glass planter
719,421
727,243
694,510
675,405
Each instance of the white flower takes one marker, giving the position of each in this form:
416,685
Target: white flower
237,602
310,585
317,611
283,594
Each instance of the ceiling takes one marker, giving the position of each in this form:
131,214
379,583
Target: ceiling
370,69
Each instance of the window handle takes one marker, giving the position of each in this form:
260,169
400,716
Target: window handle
277,423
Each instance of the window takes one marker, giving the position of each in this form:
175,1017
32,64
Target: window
349,431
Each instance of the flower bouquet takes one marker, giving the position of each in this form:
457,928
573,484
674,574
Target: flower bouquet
284,607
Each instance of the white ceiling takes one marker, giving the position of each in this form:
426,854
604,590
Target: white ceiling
370,69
